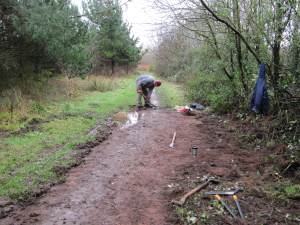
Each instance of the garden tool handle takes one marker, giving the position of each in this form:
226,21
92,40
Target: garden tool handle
235,198
218,197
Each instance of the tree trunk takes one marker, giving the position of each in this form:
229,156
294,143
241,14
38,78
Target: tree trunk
276,66
232,62
216,48
281,20
279,29
243,39
236,15
295,46
113,63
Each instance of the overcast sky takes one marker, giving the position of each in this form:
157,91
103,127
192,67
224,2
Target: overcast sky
143,19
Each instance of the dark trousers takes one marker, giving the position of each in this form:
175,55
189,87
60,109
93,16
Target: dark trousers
145,94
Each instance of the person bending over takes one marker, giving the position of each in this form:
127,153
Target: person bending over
144,87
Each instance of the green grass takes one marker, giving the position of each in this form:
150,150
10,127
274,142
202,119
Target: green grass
27,161
171,94
8,124
100,104
283,191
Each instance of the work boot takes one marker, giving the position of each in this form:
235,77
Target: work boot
139,107
147,105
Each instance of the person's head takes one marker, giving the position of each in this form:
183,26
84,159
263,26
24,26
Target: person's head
157,83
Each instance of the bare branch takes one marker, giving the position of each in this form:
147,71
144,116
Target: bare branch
233,29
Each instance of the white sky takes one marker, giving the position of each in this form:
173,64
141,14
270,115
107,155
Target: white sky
142,17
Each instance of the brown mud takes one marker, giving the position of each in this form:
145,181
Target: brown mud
133,175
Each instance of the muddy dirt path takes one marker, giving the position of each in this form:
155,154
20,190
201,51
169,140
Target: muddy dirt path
131,178
123,180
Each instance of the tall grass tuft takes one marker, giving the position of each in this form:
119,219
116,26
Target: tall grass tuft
30,99
102,85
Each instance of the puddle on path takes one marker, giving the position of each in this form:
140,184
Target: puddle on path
124,119
128,119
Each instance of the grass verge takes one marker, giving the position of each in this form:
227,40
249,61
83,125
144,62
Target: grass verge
29,158
171,94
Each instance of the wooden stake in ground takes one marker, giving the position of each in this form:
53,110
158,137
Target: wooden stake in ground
173,140
193,191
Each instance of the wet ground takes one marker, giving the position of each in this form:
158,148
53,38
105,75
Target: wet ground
122,180
131,178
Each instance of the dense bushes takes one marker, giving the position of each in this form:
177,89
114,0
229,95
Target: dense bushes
203,77
226,41
215,48
202,89
113,43
39,35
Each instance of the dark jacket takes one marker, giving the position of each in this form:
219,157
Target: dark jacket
146,84
260,100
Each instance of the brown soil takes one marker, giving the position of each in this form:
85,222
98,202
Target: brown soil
132,177
144,67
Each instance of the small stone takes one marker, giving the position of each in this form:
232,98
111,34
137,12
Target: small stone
34,214
8,209
193,219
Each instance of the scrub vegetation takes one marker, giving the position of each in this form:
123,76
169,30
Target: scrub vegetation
43,133
48,102
64,71
171,95
42,38
215,49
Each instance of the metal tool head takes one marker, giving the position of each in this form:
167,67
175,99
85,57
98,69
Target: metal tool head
153,106
230,192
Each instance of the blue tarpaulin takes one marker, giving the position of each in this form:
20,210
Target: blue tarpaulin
260,100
